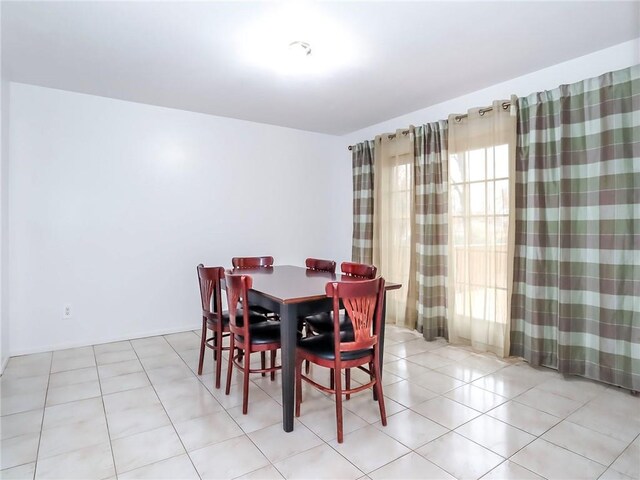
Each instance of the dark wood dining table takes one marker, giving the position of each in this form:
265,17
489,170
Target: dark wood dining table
294,292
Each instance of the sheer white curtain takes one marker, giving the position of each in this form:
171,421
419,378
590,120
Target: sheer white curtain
393,244
481,227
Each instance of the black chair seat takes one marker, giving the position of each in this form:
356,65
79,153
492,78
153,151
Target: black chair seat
212,318
323,322
258,310
264,332
323,346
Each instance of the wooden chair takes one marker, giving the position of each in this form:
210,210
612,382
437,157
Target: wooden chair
340,350
316,265
247,337
321,265
255,262
323,322
252,262
358,269
213,317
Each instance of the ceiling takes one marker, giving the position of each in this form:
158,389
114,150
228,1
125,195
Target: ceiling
379,59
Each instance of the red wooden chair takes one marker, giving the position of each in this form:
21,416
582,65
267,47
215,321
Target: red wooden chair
340,350
321,265
247,337
317,265
266,261
252,262
323,322
213,317
358,269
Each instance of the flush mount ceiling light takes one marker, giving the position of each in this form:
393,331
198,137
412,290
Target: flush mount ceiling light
299,49
269,42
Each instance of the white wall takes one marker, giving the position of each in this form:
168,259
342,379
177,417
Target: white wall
607,60
4,223
4,210
112,205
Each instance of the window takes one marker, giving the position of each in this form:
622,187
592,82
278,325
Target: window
481,155
479,193
393,212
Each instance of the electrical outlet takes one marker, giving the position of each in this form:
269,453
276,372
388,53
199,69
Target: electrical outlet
66,311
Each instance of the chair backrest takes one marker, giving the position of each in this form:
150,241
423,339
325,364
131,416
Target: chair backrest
252,262
210,289
321,265
359,270
363,301
238,285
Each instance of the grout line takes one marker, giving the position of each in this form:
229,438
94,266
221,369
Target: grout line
104,410
443,395
223,408
200,382
44,407
505,461
239,426
610,466
157,461
165,410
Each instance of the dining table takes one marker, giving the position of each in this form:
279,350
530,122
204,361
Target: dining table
293,292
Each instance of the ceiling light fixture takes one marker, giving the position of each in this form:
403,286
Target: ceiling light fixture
299,49
269,41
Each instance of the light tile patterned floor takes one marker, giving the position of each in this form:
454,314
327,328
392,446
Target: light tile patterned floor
136,409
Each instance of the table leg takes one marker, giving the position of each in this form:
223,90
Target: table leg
384,322
288,338
381,339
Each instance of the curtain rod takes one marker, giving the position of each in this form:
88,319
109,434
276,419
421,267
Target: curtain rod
393,135
390,136
482,111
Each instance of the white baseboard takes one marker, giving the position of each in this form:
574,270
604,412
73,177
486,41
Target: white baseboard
119,338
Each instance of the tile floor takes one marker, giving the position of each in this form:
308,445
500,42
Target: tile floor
135,409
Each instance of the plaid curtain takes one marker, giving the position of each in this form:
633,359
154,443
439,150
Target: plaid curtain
362,161
576,293
431,225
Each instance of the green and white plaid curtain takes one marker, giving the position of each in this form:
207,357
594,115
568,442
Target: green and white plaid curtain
431,225
576,293
362,161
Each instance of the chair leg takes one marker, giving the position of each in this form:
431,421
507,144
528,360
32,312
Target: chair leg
218,355
232,348
298,386
245,383
338,383
307,333
372,377
378,390
347,378
203,339
263,361
273,365
331,378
